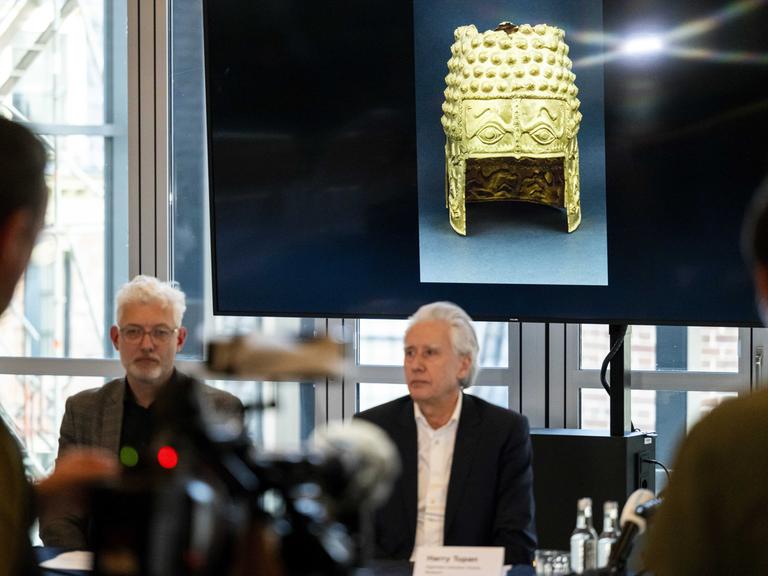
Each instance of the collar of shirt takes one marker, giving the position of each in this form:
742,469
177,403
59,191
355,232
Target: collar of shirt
130,398
421,420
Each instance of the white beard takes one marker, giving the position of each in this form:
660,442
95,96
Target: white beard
147,373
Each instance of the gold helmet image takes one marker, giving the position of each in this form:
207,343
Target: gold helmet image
510,118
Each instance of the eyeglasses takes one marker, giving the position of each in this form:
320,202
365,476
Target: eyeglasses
159,334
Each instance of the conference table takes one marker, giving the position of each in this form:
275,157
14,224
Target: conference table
378,568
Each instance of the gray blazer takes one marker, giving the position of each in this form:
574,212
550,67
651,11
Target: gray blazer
95,418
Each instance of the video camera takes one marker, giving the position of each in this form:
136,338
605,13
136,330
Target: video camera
213,505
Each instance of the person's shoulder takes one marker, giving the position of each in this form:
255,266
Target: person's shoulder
206,388
489,412
212,391
735,417
95,395
384,412
221,399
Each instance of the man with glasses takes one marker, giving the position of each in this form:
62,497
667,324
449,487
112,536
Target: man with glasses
119,415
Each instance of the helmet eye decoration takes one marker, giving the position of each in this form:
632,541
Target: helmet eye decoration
510,118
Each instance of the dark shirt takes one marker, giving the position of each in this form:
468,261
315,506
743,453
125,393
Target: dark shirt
138,425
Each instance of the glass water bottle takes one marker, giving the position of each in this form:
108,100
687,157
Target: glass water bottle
583,539
610,533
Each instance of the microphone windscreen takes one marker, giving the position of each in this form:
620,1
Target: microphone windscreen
629,512
368,456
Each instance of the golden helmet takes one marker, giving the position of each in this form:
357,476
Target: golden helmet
510,118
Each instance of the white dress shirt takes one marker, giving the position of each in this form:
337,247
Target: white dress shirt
435,459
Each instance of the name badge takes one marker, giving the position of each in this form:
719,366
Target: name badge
459,560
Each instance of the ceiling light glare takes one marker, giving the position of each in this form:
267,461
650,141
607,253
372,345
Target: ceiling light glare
642,45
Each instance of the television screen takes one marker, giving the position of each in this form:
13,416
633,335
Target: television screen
542,160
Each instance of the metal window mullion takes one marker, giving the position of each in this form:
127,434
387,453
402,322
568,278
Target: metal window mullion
681,381
148,236
557,362
147,136
87,367
134,140
572,396
116,151
533,373
514,370
756,358
758,338
321,386
335,385
106,130
162,130
349,391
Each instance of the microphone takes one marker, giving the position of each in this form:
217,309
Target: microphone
369,458
648,509
370,464
633,522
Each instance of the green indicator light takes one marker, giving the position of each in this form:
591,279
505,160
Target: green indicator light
129,456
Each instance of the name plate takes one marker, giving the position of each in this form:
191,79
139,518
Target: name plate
459,560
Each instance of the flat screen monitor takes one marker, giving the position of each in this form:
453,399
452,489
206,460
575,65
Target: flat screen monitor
601,173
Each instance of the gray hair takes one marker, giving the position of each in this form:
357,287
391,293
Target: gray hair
463,335
148,289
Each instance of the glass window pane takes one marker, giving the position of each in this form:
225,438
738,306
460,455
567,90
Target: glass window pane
284,328
667,348
381,342
279,415
370,395
498,395
63,70
712,349
35,406
60,76
493,338
595,409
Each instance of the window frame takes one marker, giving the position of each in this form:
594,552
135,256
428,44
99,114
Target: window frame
579,378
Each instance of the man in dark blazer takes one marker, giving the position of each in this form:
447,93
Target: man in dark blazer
467,478
119,416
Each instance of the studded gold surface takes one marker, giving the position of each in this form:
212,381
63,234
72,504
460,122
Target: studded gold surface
511,94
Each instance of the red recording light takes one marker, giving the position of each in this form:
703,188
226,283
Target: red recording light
167,457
